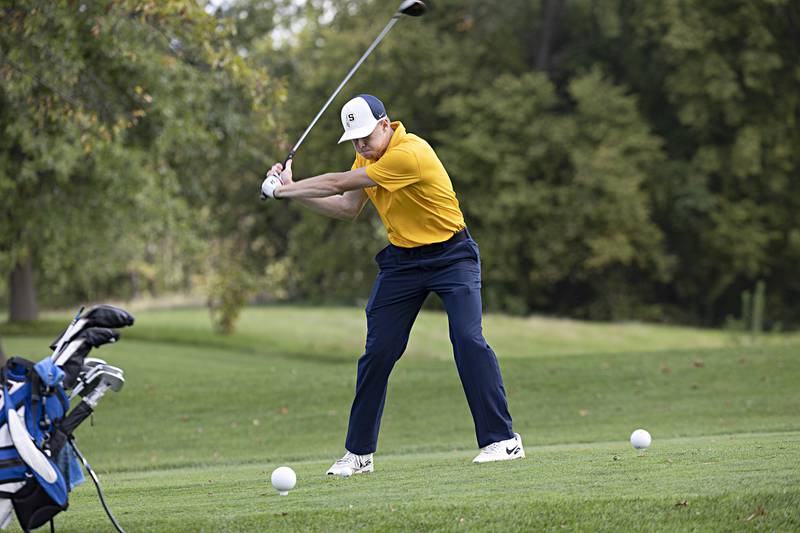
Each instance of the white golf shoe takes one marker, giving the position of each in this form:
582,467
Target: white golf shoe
503,450
352,464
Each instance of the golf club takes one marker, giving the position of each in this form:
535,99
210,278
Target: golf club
412,8
111,375
104,316
83,342
71,356
91,362
105,381
96,481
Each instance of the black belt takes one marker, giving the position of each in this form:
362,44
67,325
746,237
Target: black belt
457,237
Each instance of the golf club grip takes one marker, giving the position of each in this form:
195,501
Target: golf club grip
75,417
288,158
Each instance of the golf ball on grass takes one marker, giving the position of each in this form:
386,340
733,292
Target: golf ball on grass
283,479
640,439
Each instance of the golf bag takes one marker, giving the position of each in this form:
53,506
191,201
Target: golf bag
39,462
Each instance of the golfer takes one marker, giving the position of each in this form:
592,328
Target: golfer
430,250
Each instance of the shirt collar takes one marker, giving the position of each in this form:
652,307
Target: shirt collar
397,136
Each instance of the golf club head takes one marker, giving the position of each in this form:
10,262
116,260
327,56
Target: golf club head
99,336
112,380
108,316
115,380
91,362
103,316
413,8
83,341
70,358
97,374
93,376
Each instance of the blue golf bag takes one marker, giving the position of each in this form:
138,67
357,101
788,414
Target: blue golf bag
39,462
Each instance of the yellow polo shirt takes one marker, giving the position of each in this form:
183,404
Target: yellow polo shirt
414,196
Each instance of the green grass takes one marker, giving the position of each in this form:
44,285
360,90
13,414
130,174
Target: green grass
339,333
189,443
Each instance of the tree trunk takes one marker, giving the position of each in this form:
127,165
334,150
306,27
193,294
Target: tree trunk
22,292
553,12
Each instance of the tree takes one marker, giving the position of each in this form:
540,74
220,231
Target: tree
718,82
117,118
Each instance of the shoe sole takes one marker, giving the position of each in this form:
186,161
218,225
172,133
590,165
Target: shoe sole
506,458
365,470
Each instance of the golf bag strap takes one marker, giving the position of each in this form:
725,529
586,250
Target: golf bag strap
32,375
21,361
35,381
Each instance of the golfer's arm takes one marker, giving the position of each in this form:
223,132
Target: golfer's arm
343,207
321,193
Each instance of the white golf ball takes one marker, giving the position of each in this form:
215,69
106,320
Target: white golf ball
345,473
283,479
640,439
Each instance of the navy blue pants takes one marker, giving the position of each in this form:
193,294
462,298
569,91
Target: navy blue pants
406,277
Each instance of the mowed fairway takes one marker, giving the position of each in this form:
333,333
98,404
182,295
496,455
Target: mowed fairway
189,443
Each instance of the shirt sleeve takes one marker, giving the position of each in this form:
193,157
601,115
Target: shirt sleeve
397,168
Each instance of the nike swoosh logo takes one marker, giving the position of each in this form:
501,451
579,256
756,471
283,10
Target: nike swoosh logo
513,450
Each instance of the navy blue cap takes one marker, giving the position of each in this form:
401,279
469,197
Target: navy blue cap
375,105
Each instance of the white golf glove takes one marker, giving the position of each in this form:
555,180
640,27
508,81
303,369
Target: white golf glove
270,183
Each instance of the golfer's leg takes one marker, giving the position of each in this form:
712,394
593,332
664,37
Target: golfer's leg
393,305
477,363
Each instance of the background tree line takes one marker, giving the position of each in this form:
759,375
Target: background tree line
614,159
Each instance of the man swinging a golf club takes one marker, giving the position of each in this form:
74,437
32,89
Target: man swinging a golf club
430,250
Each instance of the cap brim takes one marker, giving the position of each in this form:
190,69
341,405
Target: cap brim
358,133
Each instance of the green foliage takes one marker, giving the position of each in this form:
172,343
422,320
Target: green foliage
120,121
613,159
566,209
612,162
753,308
228,285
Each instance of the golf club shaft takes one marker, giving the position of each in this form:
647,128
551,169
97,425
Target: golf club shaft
63,338
96,482
375,43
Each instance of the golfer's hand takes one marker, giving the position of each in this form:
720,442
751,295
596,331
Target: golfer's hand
268,186
276,176
285,174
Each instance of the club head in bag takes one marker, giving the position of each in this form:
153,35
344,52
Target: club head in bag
97,374
102,316
88,364
98,336
84,341
108,316
413,8
106,381
72,355
91,362
93,377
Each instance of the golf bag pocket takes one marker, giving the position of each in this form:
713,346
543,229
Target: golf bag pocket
33,505
23,420
12,467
